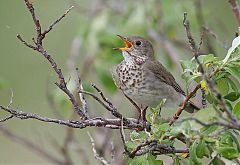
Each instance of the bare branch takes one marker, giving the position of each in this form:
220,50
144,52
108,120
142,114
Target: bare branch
113,153
129,123
123,138
215,36
81,95
26,43
7,118
96,155
38,42
112,109
56,21
235,8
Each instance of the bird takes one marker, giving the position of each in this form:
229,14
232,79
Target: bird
145,80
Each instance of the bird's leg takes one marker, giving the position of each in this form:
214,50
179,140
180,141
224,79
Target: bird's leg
144,114
139,117
160,110
135,105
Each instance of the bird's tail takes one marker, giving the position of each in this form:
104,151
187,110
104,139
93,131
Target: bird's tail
191,107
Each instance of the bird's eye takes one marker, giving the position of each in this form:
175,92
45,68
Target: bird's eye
138,43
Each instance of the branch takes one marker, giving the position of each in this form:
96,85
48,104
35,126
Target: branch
184,104
235,9
96,155
81,95
215,36
39,47
129,123
109,106
7,118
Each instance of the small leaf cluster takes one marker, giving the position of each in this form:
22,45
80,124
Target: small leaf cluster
210,142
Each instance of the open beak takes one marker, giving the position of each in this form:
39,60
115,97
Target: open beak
127,43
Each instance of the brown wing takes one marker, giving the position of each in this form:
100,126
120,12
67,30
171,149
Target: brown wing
161,72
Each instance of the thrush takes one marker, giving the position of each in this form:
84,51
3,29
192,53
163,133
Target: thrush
144,79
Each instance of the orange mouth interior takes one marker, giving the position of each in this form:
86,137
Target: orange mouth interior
127,43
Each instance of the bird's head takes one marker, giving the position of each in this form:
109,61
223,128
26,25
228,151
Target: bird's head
136,48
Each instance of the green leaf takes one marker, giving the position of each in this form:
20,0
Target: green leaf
184,128
232,84
135,135
193,153
205,114
163,127
228,145
152,160
232,96
176,161
234,71
228,152
208,130
217,161
236,110
223,86
138,160
201,149
204,59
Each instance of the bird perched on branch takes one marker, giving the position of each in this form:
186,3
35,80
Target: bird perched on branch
144,79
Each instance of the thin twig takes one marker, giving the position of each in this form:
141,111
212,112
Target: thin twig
184,104
81,95
109,107
200,19
7,118
11,100
113,153
215,36
56,21
235,8
96,155
39,47
123,138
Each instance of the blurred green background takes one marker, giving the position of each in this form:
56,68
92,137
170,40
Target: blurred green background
92,27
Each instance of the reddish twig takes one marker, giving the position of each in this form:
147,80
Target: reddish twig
184,104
